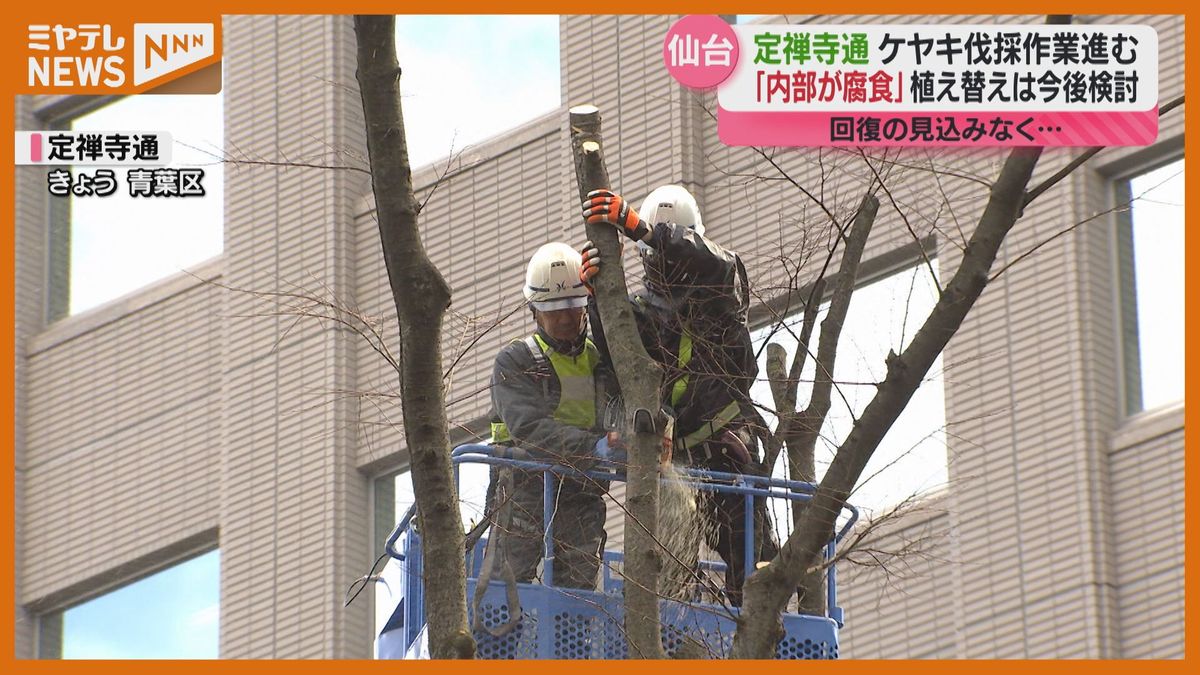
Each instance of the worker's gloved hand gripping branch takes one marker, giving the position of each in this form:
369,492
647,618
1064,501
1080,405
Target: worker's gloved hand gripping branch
606,207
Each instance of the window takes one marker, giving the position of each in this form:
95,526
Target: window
1150,247
173,614
118,244
883,315
468,78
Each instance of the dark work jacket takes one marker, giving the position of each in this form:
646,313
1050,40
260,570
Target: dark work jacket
524,398
703,286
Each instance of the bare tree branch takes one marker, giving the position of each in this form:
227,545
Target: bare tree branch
814,415
1079,161
907,224
787,382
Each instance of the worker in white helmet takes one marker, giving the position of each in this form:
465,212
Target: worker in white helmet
693,321
548,393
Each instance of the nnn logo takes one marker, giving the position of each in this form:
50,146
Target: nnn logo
160,48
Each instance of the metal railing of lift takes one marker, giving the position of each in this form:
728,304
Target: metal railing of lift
750,486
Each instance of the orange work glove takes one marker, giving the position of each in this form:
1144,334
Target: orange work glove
591,264
604,206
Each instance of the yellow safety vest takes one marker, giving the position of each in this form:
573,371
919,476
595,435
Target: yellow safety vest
679,388
577,385
685,357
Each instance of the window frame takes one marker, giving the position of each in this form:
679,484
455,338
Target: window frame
49,624
1128,331
60,115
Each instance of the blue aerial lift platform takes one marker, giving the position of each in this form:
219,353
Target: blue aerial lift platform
566,623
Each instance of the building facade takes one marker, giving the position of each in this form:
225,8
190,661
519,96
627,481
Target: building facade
197,413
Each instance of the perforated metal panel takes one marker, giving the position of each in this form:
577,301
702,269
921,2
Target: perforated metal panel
578,636
519,643
568,624
614,638
672,639
796,648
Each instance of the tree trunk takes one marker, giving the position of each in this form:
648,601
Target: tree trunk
767,592
640,378
421,296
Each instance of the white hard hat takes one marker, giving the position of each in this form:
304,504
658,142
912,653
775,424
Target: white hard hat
552,278
672,204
